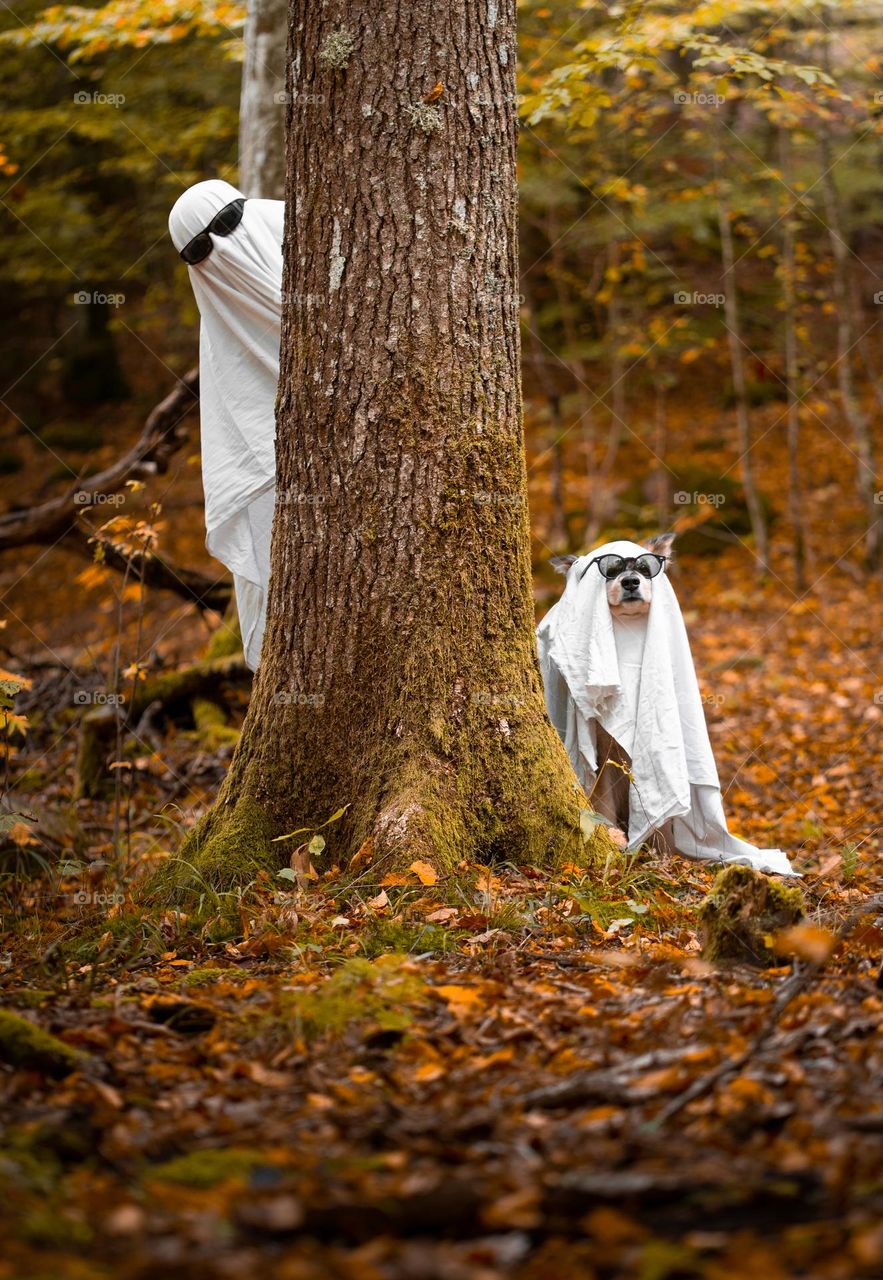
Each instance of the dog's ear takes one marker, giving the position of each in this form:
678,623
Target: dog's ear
661,544
562,564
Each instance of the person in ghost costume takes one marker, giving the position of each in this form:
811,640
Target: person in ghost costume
233,250
634,676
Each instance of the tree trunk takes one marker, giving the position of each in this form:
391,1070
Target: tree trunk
399,674
737,365
792,373
262,109
847,331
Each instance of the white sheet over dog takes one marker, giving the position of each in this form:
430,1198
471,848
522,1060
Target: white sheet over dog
238,291
635,676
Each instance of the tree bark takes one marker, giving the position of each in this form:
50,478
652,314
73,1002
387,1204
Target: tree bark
399,673
737,365
792,373
262,102
847,335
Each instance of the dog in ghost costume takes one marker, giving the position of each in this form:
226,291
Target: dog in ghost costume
621,690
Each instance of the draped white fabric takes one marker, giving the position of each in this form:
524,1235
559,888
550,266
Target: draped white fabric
238,292
635,677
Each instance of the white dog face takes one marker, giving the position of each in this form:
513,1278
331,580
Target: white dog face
629,582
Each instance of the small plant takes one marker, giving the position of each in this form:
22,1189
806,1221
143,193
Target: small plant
849,864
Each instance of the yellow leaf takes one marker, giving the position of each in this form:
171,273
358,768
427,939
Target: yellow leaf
459,999
425,873
807,942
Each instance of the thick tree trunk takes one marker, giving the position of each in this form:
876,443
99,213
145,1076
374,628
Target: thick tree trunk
399,673
262,102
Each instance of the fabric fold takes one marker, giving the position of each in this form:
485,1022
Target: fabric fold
635,677
238,292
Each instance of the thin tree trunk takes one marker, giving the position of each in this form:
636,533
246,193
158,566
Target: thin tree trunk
856,418
792,375
599,504
737,366
262,110
557,534
398,674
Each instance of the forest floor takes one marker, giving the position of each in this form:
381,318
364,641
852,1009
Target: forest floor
419,1078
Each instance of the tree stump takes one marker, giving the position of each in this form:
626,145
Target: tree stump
741,915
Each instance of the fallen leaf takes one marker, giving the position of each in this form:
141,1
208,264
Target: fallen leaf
424,872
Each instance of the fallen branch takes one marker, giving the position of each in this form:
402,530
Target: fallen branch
98,726
795,985
162,436
202,589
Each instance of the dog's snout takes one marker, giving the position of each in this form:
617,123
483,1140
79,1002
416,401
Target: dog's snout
631,583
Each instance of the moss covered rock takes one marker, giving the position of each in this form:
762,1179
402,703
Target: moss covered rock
741,915
24,1045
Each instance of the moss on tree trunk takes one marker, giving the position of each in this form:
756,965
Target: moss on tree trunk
399,673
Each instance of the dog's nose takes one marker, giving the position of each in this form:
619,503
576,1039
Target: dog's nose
630,584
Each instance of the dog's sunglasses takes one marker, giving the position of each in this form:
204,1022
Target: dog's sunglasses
224,221
610,567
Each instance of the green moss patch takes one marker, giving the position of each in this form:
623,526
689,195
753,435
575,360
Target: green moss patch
24,1045
383,992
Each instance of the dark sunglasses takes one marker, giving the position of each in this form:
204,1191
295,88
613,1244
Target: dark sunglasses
224,221
610,567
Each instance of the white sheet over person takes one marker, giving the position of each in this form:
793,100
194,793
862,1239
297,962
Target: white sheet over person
635,677
237,285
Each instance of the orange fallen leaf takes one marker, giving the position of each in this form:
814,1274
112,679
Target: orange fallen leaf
459,999
424,872
807,942
363,857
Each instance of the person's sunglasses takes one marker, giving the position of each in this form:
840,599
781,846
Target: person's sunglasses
224,221
610,567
